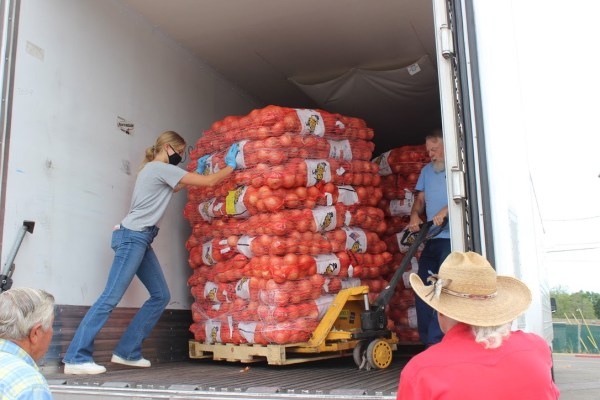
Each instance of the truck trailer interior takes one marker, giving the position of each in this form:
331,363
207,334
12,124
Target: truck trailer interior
372,61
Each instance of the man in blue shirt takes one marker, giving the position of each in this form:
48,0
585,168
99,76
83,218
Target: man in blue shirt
26,317
431,199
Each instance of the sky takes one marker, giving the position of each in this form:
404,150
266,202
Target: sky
572,255
566,179
561,111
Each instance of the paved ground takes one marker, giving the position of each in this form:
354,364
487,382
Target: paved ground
577,376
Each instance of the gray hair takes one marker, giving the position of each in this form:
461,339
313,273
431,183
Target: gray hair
435,135
491,336
23,308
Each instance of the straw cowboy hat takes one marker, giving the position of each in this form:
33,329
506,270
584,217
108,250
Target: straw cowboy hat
468,290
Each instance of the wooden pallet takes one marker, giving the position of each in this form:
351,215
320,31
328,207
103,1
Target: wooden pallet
273,354
333,337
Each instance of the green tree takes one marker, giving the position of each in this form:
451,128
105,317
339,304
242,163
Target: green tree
575,305
595,299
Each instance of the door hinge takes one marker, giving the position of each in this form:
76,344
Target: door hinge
458,185
447,43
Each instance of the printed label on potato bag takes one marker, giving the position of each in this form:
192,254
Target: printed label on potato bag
213,331
243,245
311,122
207,253
340,149
247,330
323,304
239,158
347,195
242,288
210,292
327,264
207,168
234,203
325,218
350,283
409,240
206,209
356,239
317,171
401,208
384,166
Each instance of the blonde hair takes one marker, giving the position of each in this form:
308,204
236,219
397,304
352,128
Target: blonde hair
168,137
491,336
23,308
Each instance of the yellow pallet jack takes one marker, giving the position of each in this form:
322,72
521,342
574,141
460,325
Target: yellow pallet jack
373,349
350,326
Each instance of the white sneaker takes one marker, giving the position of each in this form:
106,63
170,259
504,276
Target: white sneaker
141,363
88,368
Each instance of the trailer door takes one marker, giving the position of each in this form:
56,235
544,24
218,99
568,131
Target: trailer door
463,134
8,40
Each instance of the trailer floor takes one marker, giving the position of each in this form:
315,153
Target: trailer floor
325,377
577,376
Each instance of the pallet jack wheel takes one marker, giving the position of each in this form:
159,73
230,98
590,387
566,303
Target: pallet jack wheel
379,354
359,355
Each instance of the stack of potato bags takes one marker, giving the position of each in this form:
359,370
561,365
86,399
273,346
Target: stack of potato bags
400,169
296,222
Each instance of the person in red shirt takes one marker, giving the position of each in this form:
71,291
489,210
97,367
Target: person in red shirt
479,357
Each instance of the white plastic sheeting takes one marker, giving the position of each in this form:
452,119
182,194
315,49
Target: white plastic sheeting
379,95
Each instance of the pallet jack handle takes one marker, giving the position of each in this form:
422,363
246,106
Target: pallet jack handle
9,266
386,294
373,319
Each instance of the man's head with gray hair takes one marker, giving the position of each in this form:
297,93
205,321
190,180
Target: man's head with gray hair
26,317
435,134
434,143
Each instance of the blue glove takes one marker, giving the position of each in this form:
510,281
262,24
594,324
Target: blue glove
202,165
231,155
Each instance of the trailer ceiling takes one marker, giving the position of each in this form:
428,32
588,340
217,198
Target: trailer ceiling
346,56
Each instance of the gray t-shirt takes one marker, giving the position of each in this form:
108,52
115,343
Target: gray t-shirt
152,194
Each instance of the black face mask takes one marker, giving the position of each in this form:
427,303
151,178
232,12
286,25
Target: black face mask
174,159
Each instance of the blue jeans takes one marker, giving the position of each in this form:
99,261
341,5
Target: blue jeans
133,256
432,256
